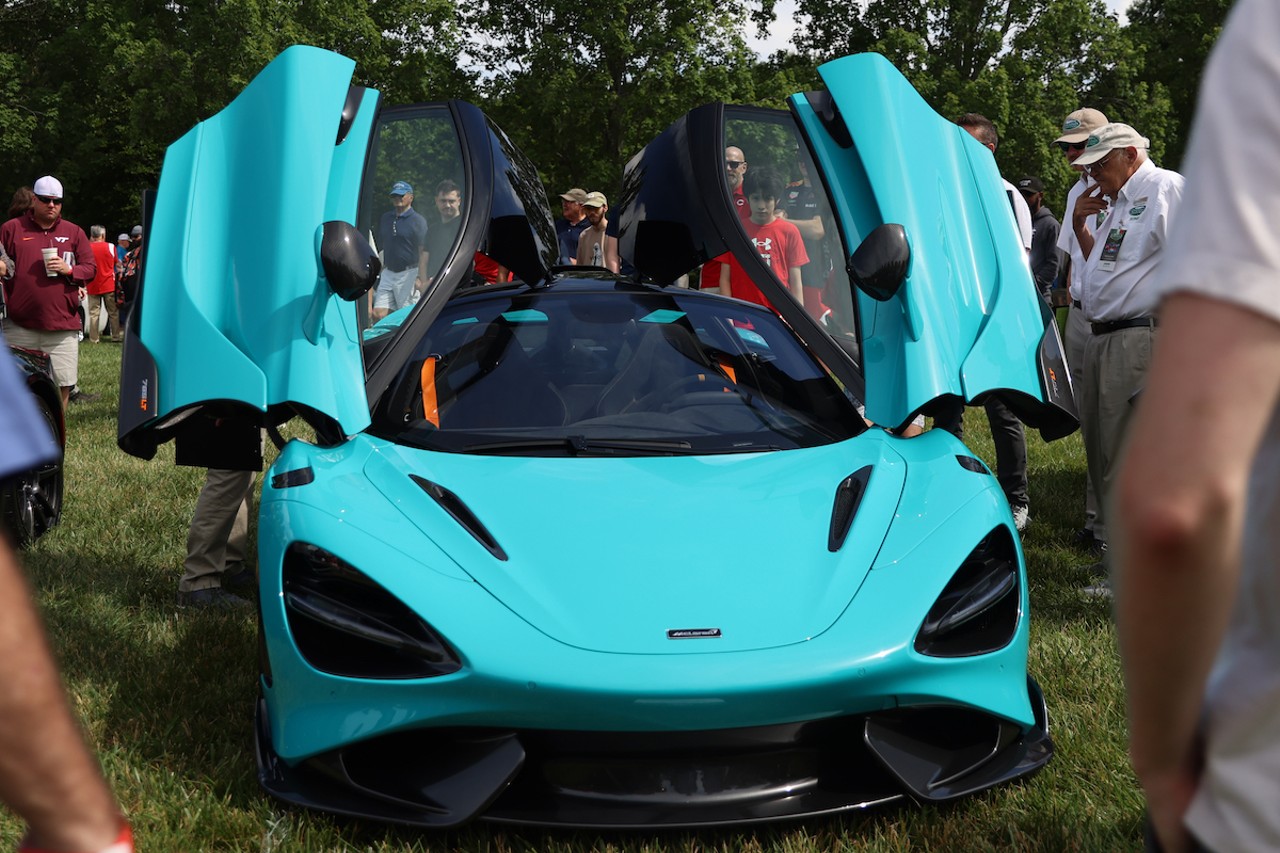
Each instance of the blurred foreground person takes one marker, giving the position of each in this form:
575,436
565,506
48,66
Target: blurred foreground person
47,774
1197,500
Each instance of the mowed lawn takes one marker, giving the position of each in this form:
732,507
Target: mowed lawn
167,697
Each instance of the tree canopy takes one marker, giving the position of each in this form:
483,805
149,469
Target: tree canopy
95,92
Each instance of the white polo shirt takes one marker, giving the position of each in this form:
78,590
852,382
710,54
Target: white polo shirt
1118,281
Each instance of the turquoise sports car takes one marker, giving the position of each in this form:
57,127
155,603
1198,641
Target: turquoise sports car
607,549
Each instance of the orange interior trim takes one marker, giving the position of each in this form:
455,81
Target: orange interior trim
430,405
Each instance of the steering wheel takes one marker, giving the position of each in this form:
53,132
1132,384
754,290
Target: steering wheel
685,386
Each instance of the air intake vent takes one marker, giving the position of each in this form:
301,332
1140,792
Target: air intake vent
848,496
453,505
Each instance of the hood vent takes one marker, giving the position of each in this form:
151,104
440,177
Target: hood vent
848,496
453,505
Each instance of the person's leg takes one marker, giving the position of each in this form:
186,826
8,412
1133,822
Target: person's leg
1011,452
113,315
220,501
63,348
1077,332
1128,355
95,311
237,542
1087,404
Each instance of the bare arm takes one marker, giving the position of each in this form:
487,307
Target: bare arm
47,774
611,258
1211,390
796,284
725,289
810,229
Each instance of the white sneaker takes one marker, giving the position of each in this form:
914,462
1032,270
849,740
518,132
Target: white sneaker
1101,589
1021,517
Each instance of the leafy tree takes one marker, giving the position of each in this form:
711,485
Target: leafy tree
582,87
97,102
1175,37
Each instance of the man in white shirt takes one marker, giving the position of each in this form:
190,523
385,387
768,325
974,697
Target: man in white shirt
1197,521
1118,293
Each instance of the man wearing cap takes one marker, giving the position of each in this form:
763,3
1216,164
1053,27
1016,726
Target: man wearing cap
129,274
102,290
1075,130
1044,234
43,294
595,247
402,238
569,227
1118,295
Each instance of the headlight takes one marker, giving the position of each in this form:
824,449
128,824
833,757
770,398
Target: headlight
978,610
345,624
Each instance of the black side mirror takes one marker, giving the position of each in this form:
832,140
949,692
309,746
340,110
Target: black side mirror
350,265
879,266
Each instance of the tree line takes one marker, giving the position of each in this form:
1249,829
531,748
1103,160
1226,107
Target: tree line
94,92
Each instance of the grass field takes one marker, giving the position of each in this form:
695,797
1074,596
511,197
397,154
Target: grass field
167,697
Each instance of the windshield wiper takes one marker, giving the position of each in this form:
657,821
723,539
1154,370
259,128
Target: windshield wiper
580,445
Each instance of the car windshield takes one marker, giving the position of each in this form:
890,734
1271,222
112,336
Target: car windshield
589,368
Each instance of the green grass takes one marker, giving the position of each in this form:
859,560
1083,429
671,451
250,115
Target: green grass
167,698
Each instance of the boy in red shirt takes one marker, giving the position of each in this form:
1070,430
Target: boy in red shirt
777,241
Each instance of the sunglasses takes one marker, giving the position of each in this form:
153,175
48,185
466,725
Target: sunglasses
733,164
1093,167
48,199
1071,146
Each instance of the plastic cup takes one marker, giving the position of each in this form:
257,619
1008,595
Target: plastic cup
50,254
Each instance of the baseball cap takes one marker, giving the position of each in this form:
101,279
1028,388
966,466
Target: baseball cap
48,186
122,237
575,194
400,188
595,200
136,231
1030,184
1078,125
1108,138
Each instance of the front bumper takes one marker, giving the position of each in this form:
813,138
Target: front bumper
448,776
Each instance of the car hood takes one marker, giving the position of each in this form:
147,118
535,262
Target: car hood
598,555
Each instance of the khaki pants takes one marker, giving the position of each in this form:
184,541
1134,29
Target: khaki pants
96,302
219,528
1115,367
1077,333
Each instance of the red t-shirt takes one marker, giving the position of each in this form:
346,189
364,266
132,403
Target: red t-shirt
780,245
104,281
710,277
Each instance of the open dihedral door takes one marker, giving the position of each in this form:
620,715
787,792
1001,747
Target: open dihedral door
242,308
965,319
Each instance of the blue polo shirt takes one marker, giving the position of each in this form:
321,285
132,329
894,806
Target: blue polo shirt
401,237
568,236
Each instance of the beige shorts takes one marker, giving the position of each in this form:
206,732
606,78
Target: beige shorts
62,347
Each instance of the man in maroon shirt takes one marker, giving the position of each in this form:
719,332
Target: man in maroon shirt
43,296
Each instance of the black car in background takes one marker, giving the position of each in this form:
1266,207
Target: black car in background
31,502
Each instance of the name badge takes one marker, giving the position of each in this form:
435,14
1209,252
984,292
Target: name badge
1111,249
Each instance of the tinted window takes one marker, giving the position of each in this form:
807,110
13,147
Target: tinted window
612,372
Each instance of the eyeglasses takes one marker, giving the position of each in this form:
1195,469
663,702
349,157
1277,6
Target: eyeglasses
733,164
48,199
1071,146
1093,167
